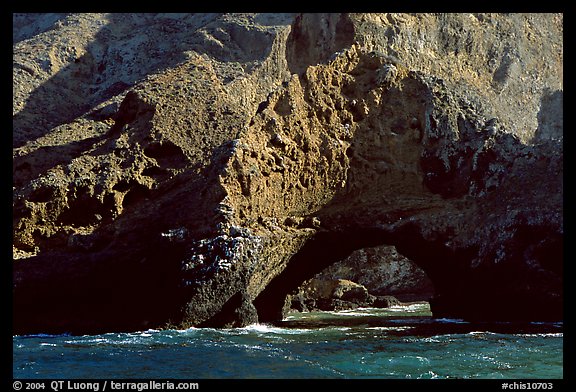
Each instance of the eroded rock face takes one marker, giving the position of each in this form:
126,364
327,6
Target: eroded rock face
383,271
194,169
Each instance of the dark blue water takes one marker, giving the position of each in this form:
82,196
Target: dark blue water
396,343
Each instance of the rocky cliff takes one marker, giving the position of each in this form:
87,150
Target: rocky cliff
193,169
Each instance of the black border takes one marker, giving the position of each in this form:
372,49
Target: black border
447,385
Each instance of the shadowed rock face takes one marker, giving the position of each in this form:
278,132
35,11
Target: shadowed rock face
193,169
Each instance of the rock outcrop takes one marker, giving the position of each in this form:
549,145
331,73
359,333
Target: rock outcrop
335,294
194,169
383,271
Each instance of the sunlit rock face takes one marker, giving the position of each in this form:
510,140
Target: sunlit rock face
194,169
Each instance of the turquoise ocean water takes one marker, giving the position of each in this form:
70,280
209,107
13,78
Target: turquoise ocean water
396,343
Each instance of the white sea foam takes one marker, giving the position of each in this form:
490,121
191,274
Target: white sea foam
433,339
357,312
482,333
351,314
428,375
541,335
269,329
391,328
398,309
87,339
187,330
410,308
417,357
362,312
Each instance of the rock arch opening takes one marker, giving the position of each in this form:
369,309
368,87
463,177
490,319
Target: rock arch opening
369,277
324,250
